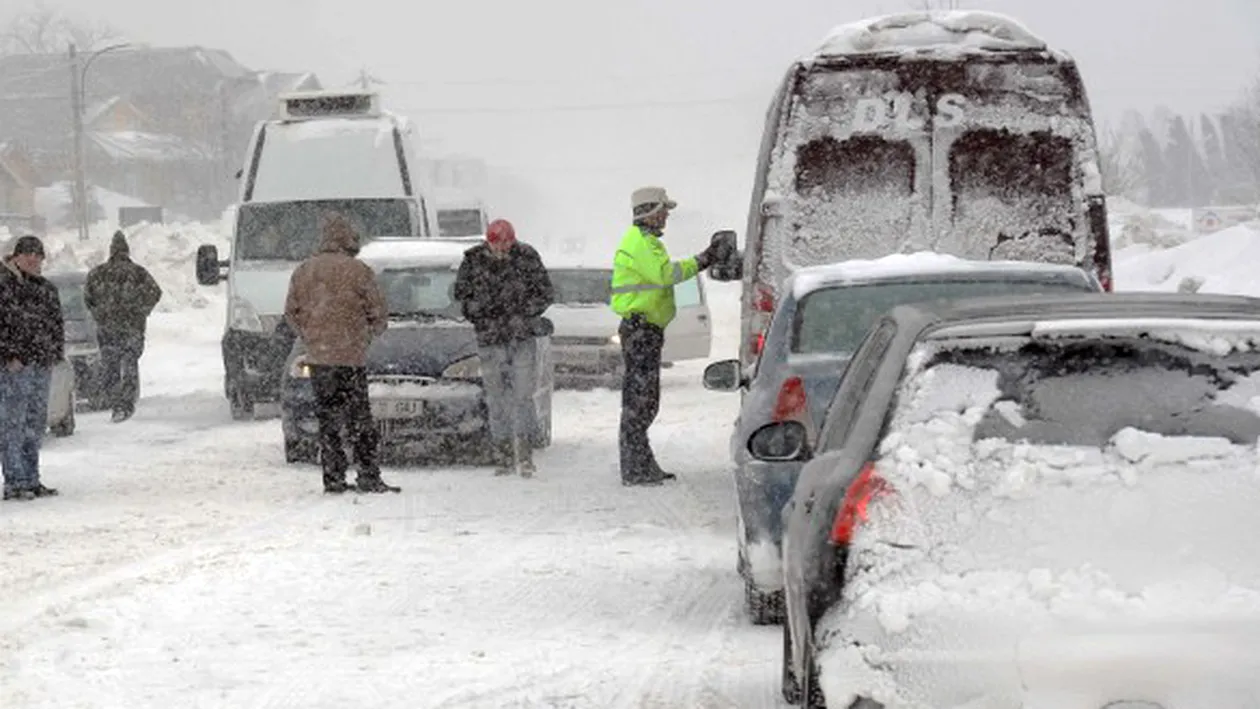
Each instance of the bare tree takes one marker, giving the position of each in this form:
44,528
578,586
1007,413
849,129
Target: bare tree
41,29
1121,169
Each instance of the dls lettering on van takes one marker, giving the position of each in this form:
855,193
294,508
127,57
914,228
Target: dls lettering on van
871,114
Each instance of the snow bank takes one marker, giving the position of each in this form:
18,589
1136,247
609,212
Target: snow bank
1222,262
168,250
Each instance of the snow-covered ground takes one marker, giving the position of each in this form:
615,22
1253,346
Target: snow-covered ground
186,565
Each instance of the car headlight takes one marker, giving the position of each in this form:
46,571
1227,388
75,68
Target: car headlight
466,368
301,369
614,340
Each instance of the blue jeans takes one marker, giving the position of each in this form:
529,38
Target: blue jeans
507,371
23,420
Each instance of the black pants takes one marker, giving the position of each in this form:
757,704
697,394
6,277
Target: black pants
119,381
641,346
341,403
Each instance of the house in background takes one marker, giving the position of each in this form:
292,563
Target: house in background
165,125
18,182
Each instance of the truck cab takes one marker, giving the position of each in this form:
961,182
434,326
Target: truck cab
323,153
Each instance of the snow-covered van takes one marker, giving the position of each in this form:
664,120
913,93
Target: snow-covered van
325,152
956,132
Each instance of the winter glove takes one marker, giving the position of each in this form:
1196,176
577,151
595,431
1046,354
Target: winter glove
706,258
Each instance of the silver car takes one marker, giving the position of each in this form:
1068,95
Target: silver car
1022,496
824,313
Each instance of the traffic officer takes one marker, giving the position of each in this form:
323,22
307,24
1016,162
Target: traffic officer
643,296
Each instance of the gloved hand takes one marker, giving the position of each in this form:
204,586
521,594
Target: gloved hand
706,258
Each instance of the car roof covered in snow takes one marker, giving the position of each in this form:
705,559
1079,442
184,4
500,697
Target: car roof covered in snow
919,265
947,34
388,253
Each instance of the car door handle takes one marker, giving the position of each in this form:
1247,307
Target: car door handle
702,317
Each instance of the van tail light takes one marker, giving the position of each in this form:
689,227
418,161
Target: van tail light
758,344
853,510
1105,278
763,299
791,402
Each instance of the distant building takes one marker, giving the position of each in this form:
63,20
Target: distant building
164,125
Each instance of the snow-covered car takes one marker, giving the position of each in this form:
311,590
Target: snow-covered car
586,347
81,345
424,373
915,131
823,315
1031,501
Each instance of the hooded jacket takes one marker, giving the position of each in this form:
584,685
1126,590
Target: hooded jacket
32,329
120,293
335,303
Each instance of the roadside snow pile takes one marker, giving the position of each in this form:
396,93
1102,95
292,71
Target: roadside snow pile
168,250
1131,224
1223,262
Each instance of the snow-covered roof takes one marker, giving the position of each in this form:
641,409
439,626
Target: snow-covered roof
139,145
922,263
406,252
958,32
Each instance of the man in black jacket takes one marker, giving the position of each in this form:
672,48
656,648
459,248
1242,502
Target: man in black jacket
503,289
32,342
121,294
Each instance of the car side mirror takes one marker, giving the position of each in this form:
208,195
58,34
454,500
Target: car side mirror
779,442
209,267
726,375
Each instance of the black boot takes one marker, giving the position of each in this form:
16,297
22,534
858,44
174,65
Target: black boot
501,454
371,481
335,486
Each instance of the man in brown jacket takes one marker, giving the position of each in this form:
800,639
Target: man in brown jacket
336,306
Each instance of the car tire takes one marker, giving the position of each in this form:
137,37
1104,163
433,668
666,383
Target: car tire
763,608
790,687
299,451
64,427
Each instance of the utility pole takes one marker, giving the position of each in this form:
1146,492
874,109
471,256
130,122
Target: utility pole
80,201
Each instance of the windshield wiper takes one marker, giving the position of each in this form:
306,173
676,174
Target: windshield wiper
423,315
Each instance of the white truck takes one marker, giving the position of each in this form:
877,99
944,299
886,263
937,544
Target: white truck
325,152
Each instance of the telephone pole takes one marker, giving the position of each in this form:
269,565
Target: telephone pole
80,198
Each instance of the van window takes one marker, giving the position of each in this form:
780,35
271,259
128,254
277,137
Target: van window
292,231
856,196
460,222
327,158
687,293
1012,195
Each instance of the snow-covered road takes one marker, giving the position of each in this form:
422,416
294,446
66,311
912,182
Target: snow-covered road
186,565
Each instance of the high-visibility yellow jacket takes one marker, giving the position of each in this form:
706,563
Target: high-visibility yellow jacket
643,277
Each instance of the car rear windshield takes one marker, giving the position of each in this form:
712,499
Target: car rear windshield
292,231
460,222
834,320
1083,392
420,291
582,286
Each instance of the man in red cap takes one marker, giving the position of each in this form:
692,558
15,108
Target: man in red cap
503,289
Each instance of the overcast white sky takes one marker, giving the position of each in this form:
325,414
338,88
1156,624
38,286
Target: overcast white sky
444,62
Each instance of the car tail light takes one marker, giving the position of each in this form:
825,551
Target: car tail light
856,500
1105,278
791,402
758,343
763,299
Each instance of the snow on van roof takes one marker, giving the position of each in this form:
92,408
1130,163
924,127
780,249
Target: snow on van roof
957,32
810,278
405,252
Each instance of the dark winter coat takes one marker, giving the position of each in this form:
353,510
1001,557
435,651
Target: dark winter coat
32,329
120,294
335,302
504,298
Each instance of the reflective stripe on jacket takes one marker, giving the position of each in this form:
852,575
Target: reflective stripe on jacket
643,277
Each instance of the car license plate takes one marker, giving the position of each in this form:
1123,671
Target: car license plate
396,408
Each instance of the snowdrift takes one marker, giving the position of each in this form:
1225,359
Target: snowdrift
1222,262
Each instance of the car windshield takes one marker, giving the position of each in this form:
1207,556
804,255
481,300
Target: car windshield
582,286
834,320
415,292
460,222
292,231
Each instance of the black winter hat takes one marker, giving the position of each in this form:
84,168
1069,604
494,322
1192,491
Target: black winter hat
29,244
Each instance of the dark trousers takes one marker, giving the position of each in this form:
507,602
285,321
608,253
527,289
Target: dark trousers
641,346
120,370
341,403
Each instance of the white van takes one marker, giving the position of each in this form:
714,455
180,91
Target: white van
326,152
956,132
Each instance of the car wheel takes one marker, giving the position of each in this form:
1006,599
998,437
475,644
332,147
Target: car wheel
790,687
299,451
763,608
64,427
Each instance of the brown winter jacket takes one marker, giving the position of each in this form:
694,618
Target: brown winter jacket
335,303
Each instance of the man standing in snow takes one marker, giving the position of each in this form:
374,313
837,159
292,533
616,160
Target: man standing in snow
336,306
504,289
32,341
120,294
643,296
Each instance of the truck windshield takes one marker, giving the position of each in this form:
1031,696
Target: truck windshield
292,231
